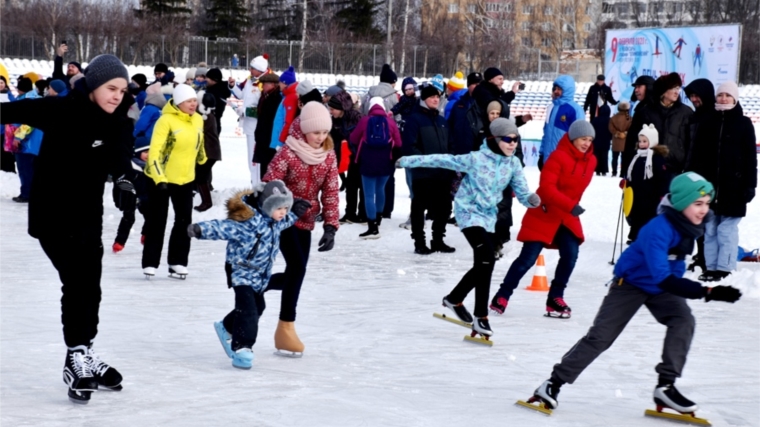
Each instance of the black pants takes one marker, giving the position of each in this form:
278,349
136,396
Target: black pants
432,195
504,217
243,321
181,197
7,159
264,159
294,246
615,158
540,161
479,276
203,172
79,262
354,187
390,195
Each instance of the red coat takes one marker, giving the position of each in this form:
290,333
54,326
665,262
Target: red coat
565,176
306,182
290,103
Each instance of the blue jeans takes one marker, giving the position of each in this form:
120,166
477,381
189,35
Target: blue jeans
722,243
567,243
374,194
25,164
409,181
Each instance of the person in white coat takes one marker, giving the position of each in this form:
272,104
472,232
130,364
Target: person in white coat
249,92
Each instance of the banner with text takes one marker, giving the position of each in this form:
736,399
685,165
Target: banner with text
710,52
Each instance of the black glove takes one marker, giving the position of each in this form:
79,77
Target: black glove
577,210
194,230
722,293
162,186
125,184
300,206
327,241
749,195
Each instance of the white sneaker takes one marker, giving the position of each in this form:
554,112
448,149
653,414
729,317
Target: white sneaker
178,269
149,271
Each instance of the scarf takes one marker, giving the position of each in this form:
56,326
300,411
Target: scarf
308,154
688,230
647,167
725,107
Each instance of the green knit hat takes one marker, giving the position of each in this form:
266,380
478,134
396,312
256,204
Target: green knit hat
688,187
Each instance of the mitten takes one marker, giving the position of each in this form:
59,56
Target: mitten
577,210
534,200
722,293
194,230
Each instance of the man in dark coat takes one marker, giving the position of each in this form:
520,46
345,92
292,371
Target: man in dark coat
425,132
72,68
220,91
595,92
267,109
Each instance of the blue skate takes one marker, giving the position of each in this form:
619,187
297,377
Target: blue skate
225,338
243,358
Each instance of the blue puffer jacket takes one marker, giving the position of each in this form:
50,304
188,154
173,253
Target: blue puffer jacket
253,241
563,114
488,174
452,100
279,123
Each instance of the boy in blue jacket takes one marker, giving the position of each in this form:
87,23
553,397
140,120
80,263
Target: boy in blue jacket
252,230
488,172
650,273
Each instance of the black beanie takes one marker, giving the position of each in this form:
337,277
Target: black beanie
160,68
76,64
24,84
335,103
387,75
214,74
474,78
428,91
312,95
491,73
141,80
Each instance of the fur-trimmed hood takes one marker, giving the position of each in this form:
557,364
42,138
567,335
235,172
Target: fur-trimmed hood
238,209
662,150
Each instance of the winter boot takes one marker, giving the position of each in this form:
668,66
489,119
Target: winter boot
420,248
437,245
666,395
556,307
372,233
243,358
481,326
206,202
77,375
499,304
106,375
225,338
548,393
459,309
286,340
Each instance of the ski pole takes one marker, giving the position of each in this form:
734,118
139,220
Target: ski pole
617,229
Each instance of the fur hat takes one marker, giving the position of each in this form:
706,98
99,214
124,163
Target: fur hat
491,73
304,87
182,93
269,78
214,74
730,88
457,82
665,83
579,129
376,100
104,68
288,76
624,106
503,127
688,187
314,117
651,133
493,105
387,75
274,195
260,63
427,91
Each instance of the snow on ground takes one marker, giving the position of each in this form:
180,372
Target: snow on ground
375,356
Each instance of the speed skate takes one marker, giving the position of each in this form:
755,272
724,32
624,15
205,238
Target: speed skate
474,336
535,404
689,417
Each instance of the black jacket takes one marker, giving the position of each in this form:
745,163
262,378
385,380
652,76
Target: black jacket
725,154
72,166
221,92
593,95
425,132
706,92
267,108
672,126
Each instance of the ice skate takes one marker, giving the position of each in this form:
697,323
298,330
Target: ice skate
286,340
106,375
225,338
556,308
117,247
178,272
243,358
481,332
667,397
498,305
459,309
149,272
453,320
544,399
77,375
407,225
372,233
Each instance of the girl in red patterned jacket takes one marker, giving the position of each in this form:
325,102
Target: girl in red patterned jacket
307,165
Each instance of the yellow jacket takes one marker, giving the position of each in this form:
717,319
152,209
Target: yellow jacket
176,146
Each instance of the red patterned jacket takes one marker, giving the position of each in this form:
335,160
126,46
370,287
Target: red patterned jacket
306,182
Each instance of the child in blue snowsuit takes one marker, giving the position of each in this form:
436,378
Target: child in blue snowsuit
650,273
489,171
252,230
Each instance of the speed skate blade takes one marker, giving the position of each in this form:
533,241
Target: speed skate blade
539,406
683,418
478,340
288,354
453,320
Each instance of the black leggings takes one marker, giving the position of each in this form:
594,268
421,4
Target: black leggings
243,321
181,197
479,276
294,245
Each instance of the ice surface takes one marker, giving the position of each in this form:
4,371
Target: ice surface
375,356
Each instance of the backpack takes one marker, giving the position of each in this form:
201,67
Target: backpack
378,134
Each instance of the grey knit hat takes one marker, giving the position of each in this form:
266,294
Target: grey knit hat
103,68
503,127
274,196
579,129
201,71
304,87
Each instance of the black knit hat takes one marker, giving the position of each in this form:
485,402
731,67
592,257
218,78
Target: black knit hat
160,68
76,64
24,84
214,74
335,104
665,83
474,78
427,91
104,68
141,80
312,95
387,75
600,77
491,73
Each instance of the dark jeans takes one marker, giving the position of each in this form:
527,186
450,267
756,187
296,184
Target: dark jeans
354,187
618,308
264,159
181,197
25,163
374,195
479,276
7,160
568,254
243,321
294,246
615,158
79,264
390,195
125,225
432,195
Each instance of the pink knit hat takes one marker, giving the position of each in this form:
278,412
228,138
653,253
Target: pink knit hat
730,88
314,117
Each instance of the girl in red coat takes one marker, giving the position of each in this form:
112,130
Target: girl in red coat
307,165
555,224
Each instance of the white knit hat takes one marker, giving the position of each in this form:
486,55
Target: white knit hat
182,93
314,118
376,100
730,88
190,75
651,133
260,63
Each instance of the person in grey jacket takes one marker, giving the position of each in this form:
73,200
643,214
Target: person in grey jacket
386,90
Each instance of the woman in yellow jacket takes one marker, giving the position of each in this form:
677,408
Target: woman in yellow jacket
175,148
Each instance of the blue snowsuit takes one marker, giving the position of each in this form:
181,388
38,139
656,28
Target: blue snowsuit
563,114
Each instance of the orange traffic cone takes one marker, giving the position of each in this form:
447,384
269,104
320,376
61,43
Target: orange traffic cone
539,278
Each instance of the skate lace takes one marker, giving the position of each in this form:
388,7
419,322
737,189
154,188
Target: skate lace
97,366
79,364
560,302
